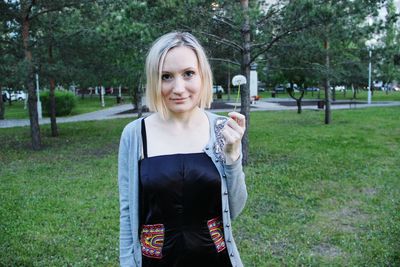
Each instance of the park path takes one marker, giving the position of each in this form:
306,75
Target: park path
271,104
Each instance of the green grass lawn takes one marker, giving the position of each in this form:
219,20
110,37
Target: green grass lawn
348,95
88,104
319,195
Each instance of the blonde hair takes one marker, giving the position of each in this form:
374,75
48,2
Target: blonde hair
155,61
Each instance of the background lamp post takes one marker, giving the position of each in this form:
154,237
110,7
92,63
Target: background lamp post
38,103
370,46
369,76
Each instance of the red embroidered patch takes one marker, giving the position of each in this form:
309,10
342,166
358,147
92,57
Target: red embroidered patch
152,240
217,235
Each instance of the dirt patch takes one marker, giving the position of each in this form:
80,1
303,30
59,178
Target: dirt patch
326,250
280,247
106,149
370,192
264,207
347,218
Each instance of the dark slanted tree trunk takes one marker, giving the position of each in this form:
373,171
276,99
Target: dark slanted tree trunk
245,89
139,103
298,103
54,130
328,112
1,105
9,94
137,98
354,91
32,98
99,91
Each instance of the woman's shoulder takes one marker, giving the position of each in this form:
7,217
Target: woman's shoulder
132,128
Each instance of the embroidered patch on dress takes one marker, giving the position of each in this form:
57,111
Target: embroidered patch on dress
152,240
216,231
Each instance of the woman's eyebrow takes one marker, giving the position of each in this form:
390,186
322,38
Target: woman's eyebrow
182,70
189,68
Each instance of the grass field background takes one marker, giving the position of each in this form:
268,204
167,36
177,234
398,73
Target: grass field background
90,103
318,194
362,95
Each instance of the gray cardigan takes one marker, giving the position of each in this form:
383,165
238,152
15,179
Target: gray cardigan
233,189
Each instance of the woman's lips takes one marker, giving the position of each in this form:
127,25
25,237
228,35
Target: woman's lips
178,100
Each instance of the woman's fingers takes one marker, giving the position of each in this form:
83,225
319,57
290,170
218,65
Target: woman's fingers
240,119
231,135
234,128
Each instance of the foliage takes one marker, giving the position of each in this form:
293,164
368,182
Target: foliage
88,43
300,58
318,195
384,53
106,42
65,102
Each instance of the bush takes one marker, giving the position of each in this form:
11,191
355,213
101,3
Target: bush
65,102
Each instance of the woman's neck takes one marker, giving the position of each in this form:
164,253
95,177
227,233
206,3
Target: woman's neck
185,119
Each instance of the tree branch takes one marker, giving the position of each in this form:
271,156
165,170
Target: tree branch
276,39
222,40
58,8
73,3
223,20
262,20
29,9
295,68
225,60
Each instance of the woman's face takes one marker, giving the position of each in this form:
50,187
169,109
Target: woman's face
180,80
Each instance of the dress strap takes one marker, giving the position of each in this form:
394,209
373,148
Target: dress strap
144,139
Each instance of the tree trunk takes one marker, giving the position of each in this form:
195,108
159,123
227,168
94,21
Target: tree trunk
328,115
298,103
138,100
1,105
99,91
136,94
54,130
245,90
32,98
9,99
298,100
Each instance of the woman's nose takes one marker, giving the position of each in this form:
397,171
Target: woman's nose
179,85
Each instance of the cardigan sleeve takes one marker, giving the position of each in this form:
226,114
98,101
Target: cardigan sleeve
126,240
237,191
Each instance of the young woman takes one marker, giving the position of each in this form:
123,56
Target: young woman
179,170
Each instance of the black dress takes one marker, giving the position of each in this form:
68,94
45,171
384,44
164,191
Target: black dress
180,211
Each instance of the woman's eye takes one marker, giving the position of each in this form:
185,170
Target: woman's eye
166,77
189,74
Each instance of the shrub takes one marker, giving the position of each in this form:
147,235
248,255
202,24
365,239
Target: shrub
65,102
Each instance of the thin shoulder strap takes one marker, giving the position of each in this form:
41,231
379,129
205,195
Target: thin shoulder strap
144,139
